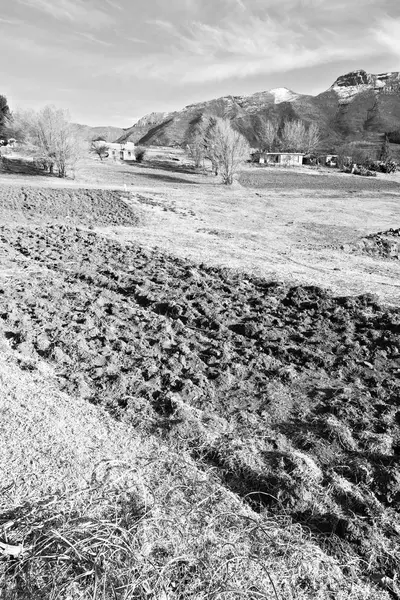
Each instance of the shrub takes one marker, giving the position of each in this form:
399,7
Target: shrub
394,136
350,154
99,148
384,153
140,153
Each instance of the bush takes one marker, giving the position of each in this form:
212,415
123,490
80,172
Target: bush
350,154
140,153
381,166
394,136
99,148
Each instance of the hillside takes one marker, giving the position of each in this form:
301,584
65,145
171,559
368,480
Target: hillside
358,106
109,133
142,127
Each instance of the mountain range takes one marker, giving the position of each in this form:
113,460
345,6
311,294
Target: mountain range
359,106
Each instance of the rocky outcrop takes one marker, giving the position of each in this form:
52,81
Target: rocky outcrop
355,82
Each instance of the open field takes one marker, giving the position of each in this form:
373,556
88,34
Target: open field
258,405
293,231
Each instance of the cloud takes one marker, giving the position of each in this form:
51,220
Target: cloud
10,21
136,40
387,33
238,48
114,4
77,11
94,39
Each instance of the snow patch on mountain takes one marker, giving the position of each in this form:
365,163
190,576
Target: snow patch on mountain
283,94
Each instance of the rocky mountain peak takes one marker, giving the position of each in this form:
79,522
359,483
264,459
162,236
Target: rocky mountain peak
354,78
349,85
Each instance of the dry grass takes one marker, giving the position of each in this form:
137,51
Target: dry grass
104,514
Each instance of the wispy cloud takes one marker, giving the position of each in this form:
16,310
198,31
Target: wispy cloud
77,11
93,38
10,21
238,48
114,4
387,33
136,40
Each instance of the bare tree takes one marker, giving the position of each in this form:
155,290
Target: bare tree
49,136
4,116
209,138
57,139
17,126
99,147
267,135
312,139
195,150
196,142
226,148
293,136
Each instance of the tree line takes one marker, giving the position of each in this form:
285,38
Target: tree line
216,140
292,135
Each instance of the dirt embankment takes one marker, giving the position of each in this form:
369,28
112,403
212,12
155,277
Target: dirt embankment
71,206
384,244
290,393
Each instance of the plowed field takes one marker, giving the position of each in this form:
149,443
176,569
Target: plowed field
291,393
63,205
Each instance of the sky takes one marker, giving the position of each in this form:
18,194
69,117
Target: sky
109,62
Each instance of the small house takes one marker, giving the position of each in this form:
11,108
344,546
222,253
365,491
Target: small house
121,151
282,159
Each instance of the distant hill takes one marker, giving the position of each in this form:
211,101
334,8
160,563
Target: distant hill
142,127
109,133
358,106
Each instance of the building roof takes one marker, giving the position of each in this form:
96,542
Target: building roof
283,153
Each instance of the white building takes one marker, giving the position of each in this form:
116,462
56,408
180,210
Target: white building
121,151
283,159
